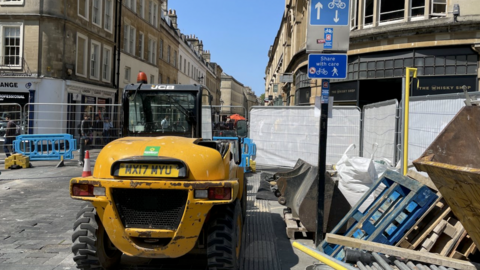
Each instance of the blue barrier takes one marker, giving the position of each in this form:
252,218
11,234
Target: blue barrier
45,146
249,150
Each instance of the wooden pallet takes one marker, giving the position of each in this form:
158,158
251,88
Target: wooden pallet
294,226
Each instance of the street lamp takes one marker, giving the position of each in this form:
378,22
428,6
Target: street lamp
200,79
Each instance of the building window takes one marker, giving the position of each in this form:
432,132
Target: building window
168,55
152,48
155,12
439,7
82,9
150,7
81,61
188,74
418,8
391,10
141,6
275,88
95,60
161,48
11,2
368,20
353,15
128,72
184,65
180,63
97,12
140,44
175,58
132,40
108,15
159,78
152,79
126,31
129,39
11,43
168,80
107,60
132,4
152,13
447,65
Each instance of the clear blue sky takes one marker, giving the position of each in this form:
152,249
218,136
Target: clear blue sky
238,33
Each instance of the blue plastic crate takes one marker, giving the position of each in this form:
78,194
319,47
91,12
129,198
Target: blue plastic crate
389,216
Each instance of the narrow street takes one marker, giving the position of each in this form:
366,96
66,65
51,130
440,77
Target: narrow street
37,216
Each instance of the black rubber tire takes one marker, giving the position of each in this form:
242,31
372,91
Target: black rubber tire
224,237
91,247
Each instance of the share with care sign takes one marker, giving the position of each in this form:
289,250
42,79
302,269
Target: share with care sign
327,66
328,28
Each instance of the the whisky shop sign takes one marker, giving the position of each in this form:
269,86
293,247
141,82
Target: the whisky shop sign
444,85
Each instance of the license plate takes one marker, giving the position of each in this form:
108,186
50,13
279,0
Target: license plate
148,170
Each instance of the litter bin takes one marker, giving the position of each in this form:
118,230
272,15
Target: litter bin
453,163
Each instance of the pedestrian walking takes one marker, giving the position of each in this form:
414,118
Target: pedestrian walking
107,126
85,129
165,122
10,134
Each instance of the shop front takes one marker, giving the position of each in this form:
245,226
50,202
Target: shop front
378,76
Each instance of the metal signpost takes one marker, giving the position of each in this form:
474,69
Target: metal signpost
328,32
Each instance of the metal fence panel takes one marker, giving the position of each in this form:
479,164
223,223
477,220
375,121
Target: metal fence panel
380,130
14,110
285,134
207,122
427,118
66,118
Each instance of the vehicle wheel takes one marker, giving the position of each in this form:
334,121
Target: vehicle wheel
224,239
91,247
277,193
282,200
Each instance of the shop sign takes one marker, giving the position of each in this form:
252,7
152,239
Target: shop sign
345,91
444,85
14,98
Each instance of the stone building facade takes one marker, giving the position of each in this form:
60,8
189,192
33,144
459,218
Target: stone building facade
385,38
58,52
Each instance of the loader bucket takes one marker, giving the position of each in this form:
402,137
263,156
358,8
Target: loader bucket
298,168
453,163
299,193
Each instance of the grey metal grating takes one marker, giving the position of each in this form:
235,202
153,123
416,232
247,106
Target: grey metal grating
150,208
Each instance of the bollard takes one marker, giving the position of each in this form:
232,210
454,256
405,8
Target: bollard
81,157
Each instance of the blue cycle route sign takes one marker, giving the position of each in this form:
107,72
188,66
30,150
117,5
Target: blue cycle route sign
327,66
329,12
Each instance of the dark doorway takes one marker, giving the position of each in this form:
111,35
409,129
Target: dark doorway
372,91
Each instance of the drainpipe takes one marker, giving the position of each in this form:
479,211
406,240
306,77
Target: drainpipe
118,39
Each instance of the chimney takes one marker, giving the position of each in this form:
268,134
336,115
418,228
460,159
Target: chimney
193,40
200,46
206,56
172,13
164,5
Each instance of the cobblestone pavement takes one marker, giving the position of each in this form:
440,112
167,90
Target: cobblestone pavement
37,215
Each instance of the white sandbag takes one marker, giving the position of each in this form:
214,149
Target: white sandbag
356,176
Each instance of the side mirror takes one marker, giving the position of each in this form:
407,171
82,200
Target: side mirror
242,130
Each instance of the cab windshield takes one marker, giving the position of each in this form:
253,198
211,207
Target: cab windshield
157,113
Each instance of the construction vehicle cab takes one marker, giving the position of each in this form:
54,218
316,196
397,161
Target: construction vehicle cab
162,191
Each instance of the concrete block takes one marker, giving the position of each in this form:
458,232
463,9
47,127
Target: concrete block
450,230
439,228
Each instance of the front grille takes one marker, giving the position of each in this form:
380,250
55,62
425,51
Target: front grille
150,208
